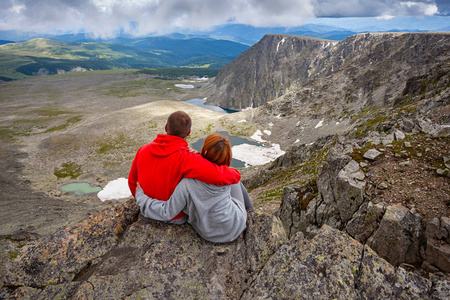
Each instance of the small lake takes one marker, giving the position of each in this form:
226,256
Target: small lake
201,103
80,188
235,140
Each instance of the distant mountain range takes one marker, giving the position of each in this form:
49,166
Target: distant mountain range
243,34
21,57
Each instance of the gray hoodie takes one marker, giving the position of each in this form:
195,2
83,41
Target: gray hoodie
214,214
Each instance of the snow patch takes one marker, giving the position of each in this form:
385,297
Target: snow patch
268,132
185,86
253,155
242,121
116,189
296,141
257,136
319,124
280,43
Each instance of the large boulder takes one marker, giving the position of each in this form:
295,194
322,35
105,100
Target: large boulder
114,255
399,236
340,194
334,266
61,256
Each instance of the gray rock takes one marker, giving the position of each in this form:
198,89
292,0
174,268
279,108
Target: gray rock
445,224
441,131
149,259
353,174
334,266
383,186
400,228
399,135
365,221
388,139
441,289
372,154
426,126
440,171
407,125
434,230
438,254
61,256
447,162
404,163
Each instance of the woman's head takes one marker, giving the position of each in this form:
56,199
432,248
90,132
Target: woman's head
217,149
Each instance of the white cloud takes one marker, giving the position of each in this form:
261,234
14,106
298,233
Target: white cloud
107,18
385,17
371,8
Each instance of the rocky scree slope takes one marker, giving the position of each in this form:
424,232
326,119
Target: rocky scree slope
117,254
377,166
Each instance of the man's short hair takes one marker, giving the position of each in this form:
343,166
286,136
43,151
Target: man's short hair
179,124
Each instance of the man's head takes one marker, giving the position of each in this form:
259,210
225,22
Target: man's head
179,124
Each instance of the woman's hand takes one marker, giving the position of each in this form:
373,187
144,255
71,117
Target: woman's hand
138,186
193,151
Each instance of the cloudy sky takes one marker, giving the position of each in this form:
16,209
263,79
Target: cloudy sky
106,18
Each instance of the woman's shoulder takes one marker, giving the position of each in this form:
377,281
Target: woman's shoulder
191,182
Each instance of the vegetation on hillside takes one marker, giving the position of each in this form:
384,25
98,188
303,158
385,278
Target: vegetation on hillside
173,73
48,57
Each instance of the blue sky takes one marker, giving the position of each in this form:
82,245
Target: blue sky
108,18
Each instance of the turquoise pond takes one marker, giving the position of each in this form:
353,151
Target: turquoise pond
80,188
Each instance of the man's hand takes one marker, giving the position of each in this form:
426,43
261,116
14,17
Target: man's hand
138,186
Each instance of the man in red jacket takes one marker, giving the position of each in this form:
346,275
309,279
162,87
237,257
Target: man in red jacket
160,165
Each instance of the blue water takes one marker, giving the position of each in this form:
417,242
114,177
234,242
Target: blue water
235,140
201,103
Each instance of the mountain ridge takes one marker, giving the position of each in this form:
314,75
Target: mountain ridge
315,60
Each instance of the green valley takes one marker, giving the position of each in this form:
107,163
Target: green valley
47,57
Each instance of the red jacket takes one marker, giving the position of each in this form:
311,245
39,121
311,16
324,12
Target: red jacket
161,164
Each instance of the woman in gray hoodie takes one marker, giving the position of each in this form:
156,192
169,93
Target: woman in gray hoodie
217,213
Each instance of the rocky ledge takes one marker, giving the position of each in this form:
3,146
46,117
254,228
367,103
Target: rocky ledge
381,198
118,254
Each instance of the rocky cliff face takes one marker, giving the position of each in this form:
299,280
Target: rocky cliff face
266,70
117,255
372,67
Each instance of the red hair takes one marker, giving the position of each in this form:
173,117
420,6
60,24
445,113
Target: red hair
217,149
